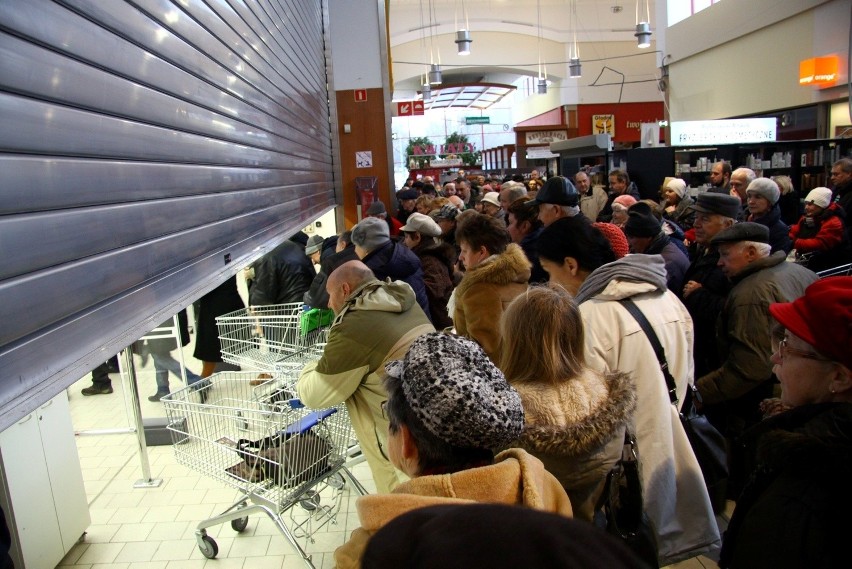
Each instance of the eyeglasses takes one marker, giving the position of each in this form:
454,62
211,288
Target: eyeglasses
783,349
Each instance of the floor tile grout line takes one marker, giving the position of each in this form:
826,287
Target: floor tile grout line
114,476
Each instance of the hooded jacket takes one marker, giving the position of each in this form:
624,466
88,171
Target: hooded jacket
576,428
376,324
397,262
485,291
515,478
794,510
743,328
677,502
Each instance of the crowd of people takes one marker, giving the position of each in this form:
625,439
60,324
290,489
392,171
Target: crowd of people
517,379
487,348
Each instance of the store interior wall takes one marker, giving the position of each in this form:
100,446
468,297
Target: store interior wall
720,67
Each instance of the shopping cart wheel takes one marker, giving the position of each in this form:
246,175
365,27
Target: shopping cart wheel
209,549
336,481
310,501
239,524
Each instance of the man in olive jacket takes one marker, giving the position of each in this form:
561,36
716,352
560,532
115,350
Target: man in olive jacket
375,323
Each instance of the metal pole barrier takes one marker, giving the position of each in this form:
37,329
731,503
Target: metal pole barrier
128,371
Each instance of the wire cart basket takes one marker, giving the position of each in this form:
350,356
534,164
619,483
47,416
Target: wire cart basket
264,444
267,338
841,271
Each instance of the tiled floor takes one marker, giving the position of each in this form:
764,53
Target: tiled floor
154,528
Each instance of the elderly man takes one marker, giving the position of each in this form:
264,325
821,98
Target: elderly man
740,180
731,393
353,360
464,192
706,286
592,200
491,205
449,189
510,193
720,178
389,259
558,198
407,199
377,210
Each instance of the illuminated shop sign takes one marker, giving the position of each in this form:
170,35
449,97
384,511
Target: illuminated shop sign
818,70
691,133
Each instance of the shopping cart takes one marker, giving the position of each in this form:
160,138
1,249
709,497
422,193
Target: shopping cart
268,338
263,443
841,271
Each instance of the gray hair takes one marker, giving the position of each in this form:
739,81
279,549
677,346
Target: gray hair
844,164
514,192
763,249
747,172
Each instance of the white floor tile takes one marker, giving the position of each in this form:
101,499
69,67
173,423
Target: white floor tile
100,553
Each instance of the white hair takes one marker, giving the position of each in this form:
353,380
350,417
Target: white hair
762,249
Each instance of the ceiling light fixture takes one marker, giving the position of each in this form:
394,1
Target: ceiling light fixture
463,39
435,76
575,69
643,26
541,82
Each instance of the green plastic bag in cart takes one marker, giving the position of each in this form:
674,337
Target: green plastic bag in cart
314,318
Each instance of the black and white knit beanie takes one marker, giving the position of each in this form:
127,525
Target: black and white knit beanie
458,394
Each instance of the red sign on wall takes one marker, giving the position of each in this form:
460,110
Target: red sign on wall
360,95
404,108
417,106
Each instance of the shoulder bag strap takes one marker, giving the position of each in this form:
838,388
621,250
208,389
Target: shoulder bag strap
634,311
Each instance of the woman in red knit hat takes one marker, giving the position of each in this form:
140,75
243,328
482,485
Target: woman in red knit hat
794,511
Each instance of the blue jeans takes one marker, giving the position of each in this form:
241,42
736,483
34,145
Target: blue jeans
165,363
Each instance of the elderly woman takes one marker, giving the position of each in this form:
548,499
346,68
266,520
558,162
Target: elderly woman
575,416
794,512
676,203
449,407
620,205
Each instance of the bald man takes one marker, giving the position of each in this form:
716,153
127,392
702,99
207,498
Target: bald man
374,323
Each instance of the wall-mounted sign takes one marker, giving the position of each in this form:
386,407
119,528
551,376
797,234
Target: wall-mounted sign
409,108
444,162
819,70
603,124
477,120
733,131
364,159
360,95
545,136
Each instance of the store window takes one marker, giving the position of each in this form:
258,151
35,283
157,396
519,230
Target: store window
682,9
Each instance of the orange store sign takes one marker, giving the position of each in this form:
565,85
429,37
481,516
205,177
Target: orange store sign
819,70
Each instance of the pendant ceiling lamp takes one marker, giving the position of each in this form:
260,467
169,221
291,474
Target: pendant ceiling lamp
435,77
575,69
463,39
541,81
643,26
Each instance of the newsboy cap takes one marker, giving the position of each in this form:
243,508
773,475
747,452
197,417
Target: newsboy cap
720,204
746,231
422,224
314,244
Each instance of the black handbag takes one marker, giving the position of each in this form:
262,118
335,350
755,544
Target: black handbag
708,444
620,509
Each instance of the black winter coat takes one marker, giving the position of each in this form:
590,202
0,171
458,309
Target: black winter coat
317,295
398,263
779,232
704,305
795,510
438,260
281,276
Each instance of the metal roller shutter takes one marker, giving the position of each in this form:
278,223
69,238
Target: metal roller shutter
148,150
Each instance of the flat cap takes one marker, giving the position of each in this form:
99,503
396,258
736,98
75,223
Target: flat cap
422,224
721,204
557,190
406,195
746,231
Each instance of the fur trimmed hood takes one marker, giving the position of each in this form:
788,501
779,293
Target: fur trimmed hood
577,417
510,266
